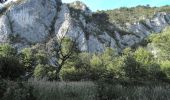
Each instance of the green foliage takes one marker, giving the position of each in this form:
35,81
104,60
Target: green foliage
44,71
113,62
35,63
10,66
141,65
7,50
28,59
97,67
124,15
3,87
41,57
161,43
120,92
108,91
143,56
15,91
67,47
165,66
107,65
44,90
66,50
77,68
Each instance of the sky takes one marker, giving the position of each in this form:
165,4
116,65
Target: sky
95,5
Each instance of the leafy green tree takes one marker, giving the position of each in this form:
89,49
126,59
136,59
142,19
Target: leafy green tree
77,68
84,66
10,66
97,67
113,63
66,49
44,71
7,50
144,56
165,66
41,57
16,91
133,68
141,65
28,59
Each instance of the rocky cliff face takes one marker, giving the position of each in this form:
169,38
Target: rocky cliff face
25,23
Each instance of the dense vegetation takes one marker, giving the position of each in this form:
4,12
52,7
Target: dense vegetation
135,14
136,73
104,76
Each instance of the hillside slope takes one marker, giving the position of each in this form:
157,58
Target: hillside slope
25,23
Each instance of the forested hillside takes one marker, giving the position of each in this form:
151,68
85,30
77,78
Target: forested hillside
135,14
55,51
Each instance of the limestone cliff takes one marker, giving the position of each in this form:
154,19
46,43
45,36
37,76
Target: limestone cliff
25,23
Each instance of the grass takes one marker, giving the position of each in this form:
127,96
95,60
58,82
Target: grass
119,92
44,90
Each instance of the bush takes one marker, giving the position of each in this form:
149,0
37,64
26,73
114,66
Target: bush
15,91
108,91
3,87
106,65
74,74
28,59
44,71
165,66
7,50
10,66
31,58
77,68
141,65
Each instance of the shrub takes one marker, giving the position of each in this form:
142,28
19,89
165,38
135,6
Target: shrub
7,50
3,87
77,68
44,71
165,66
15,91
106,65
10,66
108,91
141,65
28,59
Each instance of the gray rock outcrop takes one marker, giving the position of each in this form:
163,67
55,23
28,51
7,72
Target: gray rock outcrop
33,22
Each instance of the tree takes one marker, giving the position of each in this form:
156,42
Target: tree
141,65
28,59
10,66
165,66
44,71
78,68
66,48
